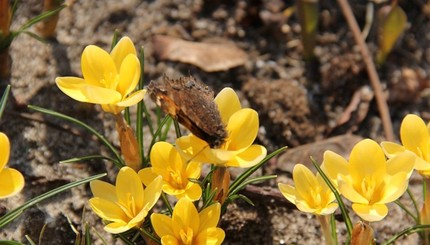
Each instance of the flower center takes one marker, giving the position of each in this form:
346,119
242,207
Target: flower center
186,236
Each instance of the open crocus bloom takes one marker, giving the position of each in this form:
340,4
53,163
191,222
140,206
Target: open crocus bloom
11,180
415,136
311,194
187,226
108,78
127,203
242,127
368,180
176,172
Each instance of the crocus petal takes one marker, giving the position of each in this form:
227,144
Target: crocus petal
211,236
103,190
422,165
5,150
194,192
123,48
146,175
288,191
305,181
195,148
242,128
414,134
391,149
367,152
132,99
117,227
73,86
228,103
107,210
169,240
152,192
185,215
346,189
370,213
128,184
193,170
395,187
100,95
11,182
334,164
129,74
209,217
98,67
162,224
330,208
163,153
248,158
402,162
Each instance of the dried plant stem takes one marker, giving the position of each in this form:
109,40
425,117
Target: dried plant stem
371,70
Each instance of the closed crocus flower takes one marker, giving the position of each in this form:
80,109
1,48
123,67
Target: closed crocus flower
175,171
415,137
11,180
189,227
126,204
238,149
108,79
368,180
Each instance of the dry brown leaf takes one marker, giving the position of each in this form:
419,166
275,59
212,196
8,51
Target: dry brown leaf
210,57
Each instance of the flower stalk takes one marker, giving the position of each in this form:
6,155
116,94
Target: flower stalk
47,27
325,227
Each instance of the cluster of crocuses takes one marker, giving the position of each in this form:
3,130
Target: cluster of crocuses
374,176
110,80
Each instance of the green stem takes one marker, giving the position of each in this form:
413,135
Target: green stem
325,226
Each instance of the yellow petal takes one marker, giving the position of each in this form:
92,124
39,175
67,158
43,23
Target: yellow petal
193,170
162,224
421,164
394,188
117,227
72,87
11,182
402,162
228,103
152,192
288,191
391,149
242,128
100,95
414,133
193,147
146,175
211,236
129,74
370,213
305,182
123,48
334,164
4,150
367,159
162,154
98,67
129,185
185,215
132,99
107,210
330,208
209,217
103,190
346,188
194,192
169,240
248,158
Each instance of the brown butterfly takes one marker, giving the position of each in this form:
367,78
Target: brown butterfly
192,104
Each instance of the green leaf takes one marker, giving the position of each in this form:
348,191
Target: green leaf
10,216
4,100
4,242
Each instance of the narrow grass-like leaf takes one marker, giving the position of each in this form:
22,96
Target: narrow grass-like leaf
86,158
342,207
404,208
407,231
119,163
10,216
30,241
4,242
139,112
4,100
241,178
251,181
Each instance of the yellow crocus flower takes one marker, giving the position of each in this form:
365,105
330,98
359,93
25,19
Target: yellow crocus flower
108,79
242,127
175,171
310,194
126,204
11,180
368,180
189,227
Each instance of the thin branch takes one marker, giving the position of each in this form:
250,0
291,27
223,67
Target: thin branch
371,70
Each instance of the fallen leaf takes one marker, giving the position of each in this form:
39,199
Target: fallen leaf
210,57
